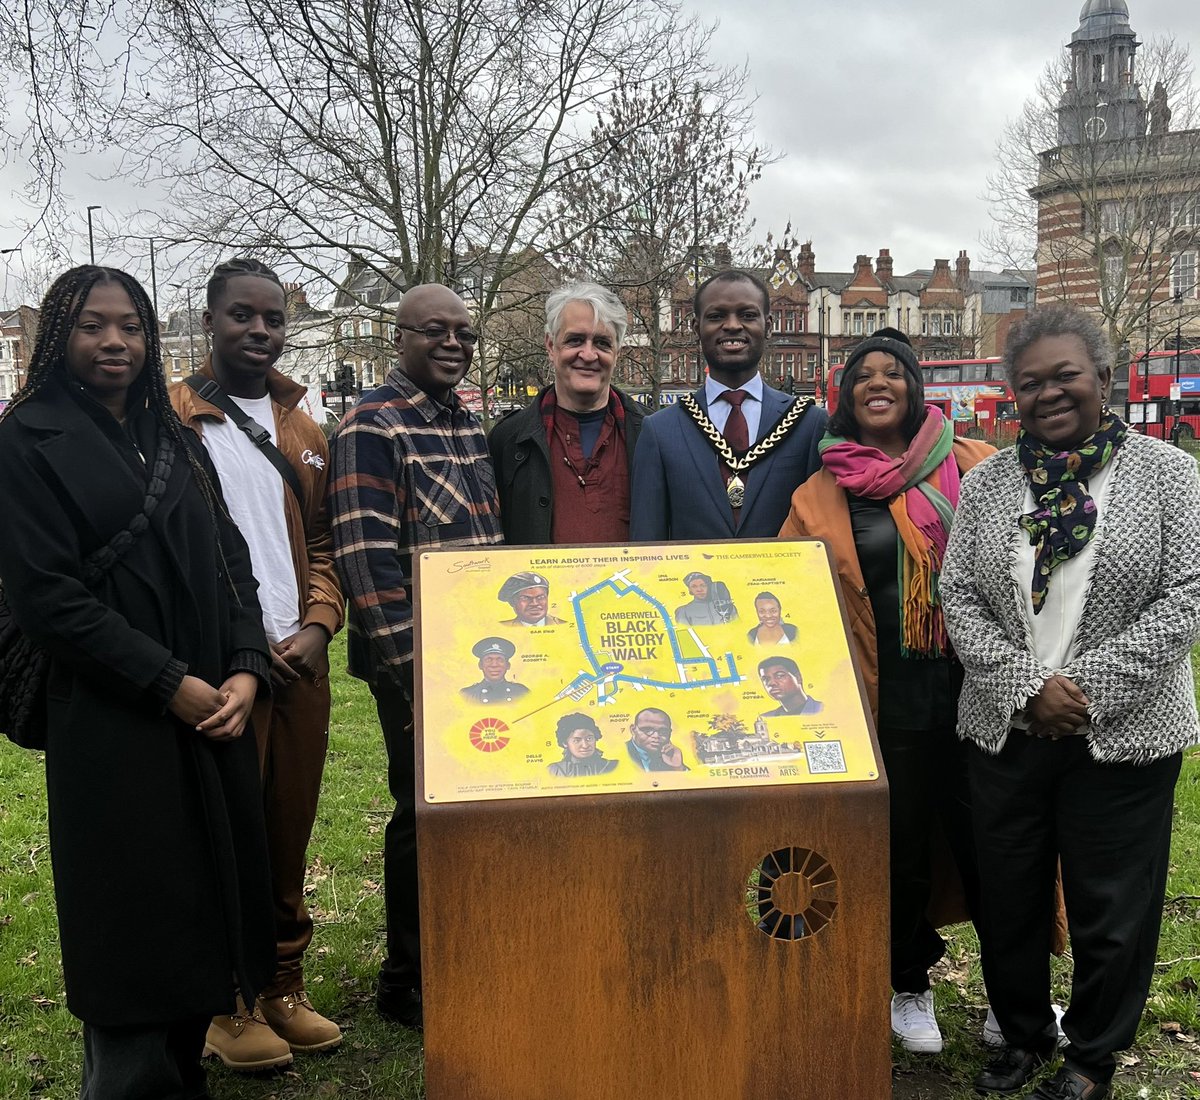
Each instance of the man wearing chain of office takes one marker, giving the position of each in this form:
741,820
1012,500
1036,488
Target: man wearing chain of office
724,461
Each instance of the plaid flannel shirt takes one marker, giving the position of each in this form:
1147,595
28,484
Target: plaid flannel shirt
406,474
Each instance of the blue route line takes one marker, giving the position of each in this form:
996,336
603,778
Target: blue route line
607,681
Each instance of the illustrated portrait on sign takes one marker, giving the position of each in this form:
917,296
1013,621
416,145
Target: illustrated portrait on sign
710,605
528,594
650,746
495,659
577,735
782,681
771,629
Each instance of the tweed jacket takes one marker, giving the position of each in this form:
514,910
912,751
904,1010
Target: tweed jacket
1141,613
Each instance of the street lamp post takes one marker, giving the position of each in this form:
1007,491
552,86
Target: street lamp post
17,349
191,326
91,237
1178,331
1178,403
153,280
821,384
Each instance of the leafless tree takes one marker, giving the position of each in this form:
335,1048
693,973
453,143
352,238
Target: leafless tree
414,137
63,72
1115,210
678,159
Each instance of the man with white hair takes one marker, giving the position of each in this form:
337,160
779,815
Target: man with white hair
563,462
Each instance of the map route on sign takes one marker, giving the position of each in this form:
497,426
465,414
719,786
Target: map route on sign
630,640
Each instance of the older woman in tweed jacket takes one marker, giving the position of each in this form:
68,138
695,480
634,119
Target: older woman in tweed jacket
1072,594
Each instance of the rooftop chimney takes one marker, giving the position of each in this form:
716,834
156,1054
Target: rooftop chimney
883,265
962,269
808,260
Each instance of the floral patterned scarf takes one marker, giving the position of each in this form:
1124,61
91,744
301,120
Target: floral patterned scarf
1063,520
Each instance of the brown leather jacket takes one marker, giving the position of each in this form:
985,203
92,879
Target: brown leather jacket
304,446
819,510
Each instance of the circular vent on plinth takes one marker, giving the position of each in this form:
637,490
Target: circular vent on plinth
791,894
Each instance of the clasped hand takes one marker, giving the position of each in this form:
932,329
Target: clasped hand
1060,709
218,713
305,653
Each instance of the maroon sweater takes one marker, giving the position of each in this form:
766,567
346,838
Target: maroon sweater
591,495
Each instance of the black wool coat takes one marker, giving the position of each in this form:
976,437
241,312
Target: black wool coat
156,833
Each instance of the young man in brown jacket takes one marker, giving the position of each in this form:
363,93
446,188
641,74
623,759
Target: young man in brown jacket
273,469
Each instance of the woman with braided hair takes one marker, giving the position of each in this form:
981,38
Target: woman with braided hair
153,670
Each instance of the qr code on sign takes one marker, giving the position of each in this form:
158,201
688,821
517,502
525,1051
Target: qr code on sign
824,757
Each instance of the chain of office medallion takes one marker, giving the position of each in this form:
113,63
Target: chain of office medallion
712,432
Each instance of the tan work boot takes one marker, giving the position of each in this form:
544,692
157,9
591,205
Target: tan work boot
244,1041
294,1020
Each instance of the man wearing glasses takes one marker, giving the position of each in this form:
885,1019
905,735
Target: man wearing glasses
409,472
650,745
563,462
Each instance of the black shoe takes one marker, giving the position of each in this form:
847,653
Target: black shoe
400,1003
1066,1084
1009,1071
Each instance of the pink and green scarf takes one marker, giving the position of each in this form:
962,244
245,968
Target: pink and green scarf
921,488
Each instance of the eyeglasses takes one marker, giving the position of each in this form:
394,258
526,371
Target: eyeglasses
435,334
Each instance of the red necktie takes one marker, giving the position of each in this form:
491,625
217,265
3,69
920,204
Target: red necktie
737,432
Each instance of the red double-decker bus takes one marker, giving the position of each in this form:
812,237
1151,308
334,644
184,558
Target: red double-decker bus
973,393
1153,407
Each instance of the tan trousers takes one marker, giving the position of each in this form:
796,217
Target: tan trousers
292,731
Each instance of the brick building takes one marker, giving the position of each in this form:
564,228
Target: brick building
18,329
1118,198
818,316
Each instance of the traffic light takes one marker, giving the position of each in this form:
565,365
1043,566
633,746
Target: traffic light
344,385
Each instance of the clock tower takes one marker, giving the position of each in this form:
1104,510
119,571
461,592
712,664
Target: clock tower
1101,100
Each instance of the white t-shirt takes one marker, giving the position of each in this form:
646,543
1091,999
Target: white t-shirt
253,491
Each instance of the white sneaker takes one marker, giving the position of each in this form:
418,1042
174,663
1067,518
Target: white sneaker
914,1023
1062,1035
993,1037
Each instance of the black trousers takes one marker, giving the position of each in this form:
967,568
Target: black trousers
927,784
1035,803
156,1062
402,966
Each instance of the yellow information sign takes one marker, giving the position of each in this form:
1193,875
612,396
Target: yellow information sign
591,670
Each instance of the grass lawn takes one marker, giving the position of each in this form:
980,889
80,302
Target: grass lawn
40,1041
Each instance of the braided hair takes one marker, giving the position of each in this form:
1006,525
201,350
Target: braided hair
60,311
232,269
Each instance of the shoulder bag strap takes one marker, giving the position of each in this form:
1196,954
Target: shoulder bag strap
259,436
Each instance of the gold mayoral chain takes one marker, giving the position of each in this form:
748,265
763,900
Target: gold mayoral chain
736,488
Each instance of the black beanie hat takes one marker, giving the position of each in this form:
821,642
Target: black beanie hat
896,344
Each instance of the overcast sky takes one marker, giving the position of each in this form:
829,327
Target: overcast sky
886,113
889,112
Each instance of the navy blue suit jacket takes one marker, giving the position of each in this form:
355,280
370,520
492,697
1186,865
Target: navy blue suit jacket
678,492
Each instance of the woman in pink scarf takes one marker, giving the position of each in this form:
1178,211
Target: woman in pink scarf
884,501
